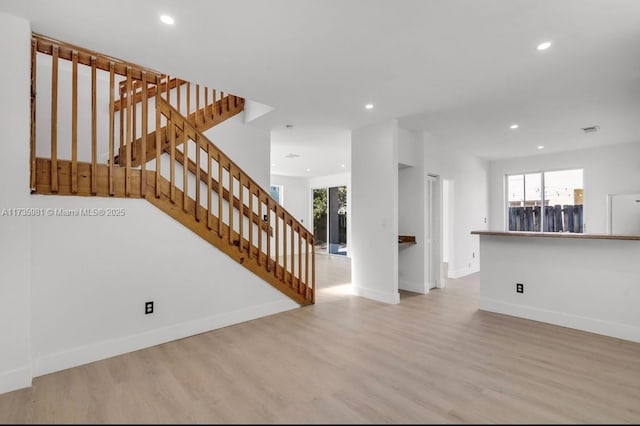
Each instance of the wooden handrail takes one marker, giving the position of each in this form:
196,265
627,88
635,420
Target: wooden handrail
46,45
151,92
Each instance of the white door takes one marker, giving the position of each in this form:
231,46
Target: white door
431,233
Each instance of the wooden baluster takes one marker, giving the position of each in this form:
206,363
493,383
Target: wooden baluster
306,261
299,259
313,271
197,184
188,100
209,188
293,252
284,246
277,239
268,234
220,194
135,118
221,99
260,222
206,103
32,148
74,123
241,212
168,90
250,217
158,140
112,117
129,140
213,104
185,168
178,87
122,107
94,127
197,104
228,102
144,133
54,120
172,153
231,208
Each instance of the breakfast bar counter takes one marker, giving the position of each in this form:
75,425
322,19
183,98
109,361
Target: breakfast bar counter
589,282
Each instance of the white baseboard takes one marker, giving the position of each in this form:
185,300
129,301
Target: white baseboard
413,286
18,378
462,272
379,296
98,351
592,325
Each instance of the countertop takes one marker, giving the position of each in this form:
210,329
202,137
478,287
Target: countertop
557,235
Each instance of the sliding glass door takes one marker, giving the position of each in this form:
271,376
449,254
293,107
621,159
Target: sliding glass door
330,219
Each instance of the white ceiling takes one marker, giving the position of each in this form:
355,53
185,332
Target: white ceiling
463,70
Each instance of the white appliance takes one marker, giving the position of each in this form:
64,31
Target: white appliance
624,214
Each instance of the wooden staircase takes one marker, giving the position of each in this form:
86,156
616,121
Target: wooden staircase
157,151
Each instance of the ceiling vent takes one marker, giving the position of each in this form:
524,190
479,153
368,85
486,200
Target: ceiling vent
591,129
292,155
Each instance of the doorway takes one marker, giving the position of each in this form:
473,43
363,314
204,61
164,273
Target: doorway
330,220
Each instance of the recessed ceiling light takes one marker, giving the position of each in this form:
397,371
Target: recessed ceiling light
514,126
540,146
308,170
369,106
342,165
166,19
544,46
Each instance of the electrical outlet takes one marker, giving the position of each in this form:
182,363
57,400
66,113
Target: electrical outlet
519,288
485,220
473,254
148,308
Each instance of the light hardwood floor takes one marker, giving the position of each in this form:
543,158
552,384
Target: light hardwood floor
431,359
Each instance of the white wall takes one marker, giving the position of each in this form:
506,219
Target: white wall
248,146
296,197
411,212
607,170
92,276
586,284
15,274
468,178
374,207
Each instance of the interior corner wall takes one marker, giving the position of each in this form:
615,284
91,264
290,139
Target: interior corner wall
607,170
469,179
411,213
247,145
295,197
15,256
374,184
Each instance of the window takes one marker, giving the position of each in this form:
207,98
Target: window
277,193
560,210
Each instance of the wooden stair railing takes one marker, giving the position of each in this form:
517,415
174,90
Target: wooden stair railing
164,157
289,266
203,117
